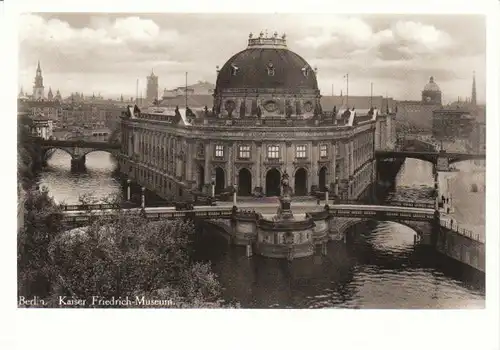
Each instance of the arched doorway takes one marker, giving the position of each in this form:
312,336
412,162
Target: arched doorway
219,180
273,186
322,179
201,177
301,182
244,182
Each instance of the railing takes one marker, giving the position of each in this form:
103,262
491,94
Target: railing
461,231
171,215
382,214
105,206
406,204
252,121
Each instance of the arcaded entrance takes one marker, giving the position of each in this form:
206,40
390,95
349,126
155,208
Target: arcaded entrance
244,182
322,179
273,187
219,180
301,182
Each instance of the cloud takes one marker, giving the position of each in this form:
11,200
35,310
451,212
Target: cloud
108,46
113,50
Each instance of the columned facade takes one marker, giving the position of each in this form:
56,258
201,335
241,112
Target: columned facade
177,156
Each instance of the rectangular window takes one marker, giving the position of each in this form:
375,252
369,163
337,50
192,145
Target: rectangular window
244,152
219,151
273,152
323,151
300,151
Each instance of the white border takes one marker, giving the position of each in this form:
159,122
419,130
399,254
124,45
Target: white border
123,329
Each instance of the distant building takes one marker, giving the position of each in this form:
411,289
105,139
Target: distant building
478,137
383,104
452,123
38,88
58,96
200,88
42,127
419,113
50,95
152,88
50,109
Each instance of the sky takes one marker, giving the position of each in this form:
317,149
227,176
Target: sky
107,53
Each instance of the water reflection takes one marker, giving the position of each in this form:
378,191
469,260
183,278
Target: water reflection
66,186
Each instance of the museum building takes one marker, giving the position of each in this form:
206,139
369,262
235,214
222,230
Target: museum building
266,119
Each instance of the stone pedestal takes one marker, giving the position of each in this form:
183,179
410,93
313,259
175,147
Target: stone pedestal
284,210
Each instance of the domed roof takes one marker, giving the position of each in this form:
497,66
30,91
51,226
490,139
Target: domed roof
266,64
431,85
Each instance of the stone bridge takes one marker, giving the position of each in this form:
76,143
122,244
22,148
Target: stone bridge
441,159
77,149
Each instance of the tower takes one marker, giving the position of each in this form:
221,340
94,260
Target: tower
431,94
474,97
50,95
38,88
152,88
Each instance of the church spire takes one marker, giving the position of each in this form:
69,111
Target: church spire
38,69
474,97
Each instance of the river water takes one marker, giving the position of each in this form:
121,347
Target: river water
380,267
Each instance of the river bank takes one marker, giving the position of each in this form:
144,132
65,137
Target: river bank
467,190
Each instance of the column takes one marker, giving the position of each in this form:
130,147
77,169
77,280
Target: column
333,163
165,147
148,157
289,157
346,160
258,160
230,164
208,172
351,160
388,130
179,162
189,160
141,145
377,134
313,177
152,153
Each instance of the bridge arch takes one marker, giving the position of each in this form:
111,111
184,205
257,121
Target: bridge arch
342,225
46,154
99,150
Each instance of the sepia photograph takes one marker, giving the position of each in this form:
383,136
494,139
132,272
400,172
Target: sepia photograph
295,161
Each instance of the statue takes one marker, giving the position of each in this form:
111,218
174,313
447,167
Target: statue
284,210
286,190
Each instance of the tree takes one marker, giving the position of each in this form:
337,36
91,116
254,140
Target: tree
125,255
41,224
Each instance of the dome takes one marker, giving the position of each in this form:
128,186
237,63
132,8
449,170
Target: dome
266,64
431,85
